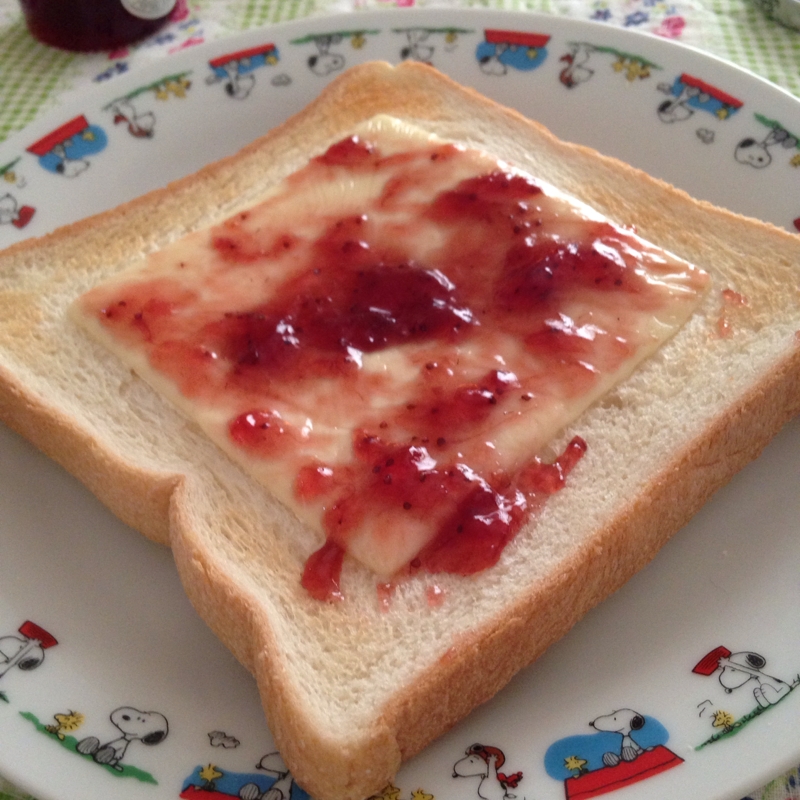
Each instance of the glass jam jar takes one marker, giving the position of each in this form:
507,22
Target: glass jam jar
87,25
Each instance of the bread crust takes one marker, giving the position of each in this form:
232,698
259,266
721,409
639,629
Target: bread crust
157,498
628,543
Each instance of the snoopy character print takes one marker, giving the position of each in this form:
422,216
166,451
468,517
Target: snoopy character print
147,727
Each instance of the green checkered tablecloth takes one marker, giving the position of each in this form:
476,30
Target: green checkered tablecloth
33,77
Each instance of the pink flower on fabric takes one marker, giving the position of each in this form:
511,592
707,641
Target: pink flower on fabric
180,12
671,27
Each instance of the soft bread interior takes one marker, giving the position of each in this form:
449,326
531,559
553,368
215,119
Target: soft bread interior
352,688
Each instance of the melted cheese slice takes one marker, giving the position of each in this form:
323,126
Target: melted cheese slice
400,308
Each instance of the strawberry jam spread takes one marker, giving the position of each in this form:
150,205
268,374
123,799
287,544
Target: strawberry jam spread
393,339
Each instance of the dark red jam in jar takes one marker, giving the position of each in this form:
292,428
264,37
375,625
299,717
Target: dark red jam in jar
87,25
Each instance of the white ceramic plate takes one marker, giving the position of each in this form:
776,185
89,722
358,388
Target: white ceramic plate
118,638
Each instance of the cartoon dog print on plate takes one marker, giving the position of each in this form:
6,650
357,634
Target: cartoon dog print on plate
420,42
324,62
147,727
236,69
140,123
519,50
11,212
626,747
26,651
484,762
739,671
688,94
64,151
757,152
281,789
274,782
577,72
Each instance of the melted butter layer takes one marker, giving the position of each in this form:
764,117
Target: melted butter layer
391,340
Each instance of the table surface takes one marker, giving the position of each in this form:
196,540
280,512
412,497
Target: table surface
34,77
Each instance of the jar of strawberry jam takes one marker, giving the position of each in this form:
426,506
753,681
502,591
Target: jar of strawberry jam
86,25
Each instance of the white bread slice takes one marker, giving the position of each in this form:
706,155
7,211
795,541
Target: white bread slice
352,689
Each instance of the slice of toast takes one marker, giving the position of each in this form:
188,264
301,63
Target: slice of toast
353,688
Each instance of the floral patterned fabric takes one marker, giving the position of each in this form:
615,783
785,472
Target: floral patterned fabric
33,78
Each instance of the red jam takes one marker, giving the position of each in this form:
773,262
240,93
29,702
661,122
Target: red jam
435,596
494,305
322,570
731,302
